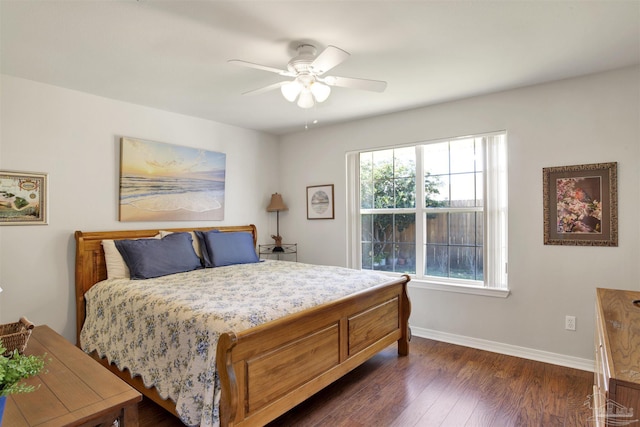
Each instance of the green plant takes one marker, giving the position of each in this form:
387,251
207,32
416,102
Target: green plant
379,257
389,182
15,368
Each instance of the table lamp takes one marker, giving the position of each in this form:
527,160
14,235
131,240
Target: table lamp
276,206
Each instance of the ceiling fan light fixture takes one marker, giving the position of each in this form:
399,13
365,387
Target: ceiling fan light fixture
306,99
320,91
291,90
310,85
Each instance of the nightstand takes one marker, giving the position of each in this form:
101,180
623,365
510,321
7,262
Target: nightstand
289,252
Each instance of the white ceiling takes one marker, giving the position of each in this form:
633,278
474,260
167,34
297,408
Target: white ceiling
172,55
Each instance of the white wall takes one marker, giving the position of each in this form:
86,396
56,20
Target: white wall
74,137
591,119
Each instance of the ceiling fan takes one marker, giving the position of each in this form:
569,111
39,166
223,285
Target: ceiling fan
310,85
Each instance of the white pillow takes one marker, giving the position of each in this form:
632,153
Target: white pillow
194,239
116,267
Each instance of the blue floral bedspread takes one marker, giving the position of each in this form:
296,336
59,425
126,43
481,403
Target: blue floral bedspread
166,329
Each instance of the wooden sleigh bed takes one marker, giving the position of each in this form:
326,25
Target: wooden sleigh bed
268,369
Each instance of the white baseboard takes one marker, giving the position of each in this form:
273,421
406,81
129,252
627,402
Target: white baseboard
508,349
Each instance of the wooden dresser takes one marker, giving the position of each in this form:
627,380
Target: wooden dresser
616,398
74,390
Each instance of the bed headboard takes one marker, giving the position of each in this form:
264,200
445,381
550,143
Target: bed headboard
91,267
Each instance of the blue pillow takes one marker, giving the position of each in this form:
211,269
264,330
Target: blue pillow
147,258
229,248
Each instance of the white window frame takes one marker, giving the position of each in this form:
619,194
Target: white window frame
495,219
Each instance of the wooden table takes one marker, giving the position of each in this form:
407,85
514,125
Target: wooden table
75,391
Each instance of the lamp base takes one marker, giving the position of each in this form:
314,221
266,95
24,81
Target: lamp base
278,249
277,240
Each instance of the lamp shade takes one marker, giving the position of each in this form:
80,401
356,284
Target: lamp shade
306,99
320,91
291,90
276,204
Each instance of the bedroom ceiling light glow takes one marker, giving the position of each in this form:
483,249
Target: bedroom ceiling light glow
307,89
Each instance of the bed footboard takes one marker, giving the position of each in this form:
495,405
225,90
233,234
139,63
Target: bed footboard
267,370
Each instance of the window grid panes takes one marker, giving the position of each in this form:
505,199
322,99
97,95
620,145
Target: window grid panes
387,192
388,242
450,214
454,245
453,190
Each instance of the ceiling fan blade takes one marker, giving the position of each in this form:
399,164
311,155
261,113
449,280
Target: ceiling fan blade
328,58
261,67
266,88
353,83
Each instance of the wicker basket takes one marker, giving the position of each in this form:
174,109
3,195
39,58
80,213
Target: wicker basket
15,335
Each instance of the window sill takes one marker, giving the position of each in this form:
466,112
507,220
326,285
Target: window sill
451,287
462,289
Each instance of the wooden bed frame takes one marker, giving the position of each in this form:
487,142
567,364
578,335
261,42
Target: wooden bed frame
267,370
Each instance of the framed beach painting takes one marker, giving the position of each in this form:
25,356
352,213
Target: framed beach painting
166,182
581,205
23,198
320,202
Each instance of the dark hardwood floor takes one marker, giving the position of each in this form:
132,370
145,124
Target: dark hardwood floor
438,384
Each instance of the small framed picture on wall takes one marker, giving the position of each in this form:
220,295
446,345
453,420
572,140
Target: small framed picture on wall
320,202
23,198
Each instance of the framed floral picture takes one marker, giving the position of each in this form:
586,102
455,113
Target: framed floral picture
23,198
320,202
581,205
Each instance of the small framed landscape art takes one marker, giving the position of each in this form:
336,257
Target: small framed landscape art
581,205
320,202
23,198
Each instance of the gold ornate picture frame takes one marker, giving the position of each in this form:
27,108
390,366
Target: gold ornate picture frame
581,205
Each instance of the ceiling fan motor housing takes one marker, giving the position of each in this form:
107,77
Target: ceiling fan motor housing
301,64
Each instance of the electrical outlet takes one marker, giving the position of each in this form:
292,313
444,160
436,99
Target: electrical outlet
570,323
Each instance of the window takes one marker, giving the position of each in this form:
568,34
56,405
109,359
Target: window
436,210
